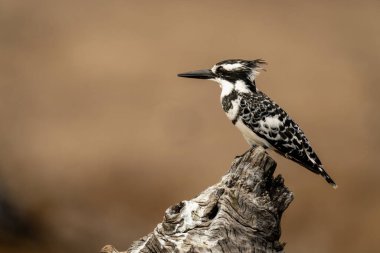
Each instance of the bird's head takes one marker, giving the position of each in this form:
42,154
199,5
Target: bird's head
229,71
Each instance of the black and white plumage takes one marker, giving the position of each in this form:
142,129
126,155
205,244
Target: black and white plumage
260,120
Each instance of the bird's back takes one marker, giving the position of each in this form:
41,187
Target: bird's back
272,127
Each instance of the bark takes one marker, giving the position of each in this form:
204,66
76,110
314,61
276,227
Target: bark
241,213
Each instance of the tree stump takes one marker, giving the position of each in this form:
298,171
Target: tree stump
241,213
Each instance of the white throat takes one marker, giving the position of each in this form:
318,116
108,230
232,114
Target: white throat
227,86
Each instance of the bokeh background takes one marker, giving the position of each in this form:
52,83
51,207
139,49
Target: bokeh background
98,135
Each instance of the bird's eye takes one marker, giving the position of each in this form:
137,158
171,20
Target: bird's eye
219,69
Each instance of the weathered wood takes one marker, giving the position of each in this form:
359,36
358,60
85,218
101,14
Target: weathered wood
241,213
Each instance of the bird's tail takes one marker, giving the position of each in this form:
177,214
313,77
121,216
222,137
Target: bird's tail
327,177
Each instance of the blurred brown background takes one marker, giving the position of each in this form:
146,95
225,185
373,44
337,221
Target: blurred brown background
98,135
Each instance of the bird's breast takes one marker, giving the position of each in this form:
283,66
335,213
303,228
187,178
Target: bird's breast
231,104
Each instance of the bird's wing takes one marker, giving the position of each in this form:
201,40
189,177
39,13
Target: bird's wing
270,122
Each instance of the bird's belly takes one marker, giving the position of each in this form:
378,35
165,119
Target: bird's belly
250,136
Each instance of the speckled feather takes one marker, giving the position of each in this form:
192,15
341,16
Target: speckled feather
285,137
271,123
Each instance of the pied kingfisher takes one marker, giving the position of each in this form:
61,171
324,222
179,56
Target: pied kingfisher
260,120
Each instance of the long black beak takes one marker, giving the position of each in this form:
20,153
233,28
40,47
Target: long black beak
199,74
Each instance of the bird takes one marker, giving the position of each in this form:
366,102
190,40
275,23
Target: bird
260,120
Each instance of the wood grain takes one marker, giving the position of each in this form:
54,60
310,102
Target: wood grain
241,213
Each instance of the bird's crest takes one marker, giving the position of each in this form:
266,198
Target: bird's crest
257,65
238,67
